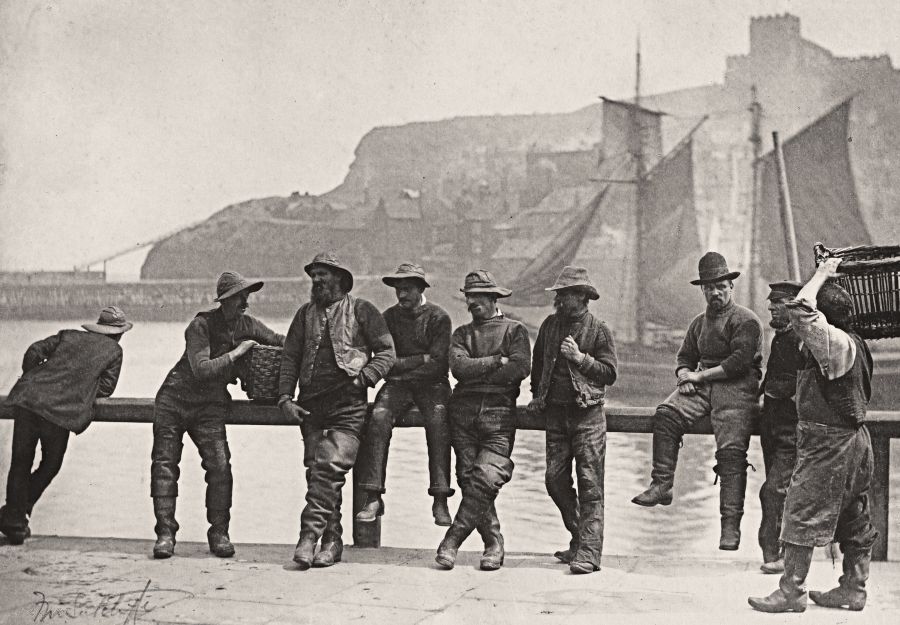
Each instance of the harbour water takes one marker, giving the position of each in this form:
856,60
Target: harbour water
103,488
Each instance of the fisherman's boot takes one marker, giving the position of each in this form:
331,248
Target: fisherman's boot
332,544
166,526
570,520
372,509
471,509
732,473
791,594
489,529
441,512
305,550
217,534
851,592
666,441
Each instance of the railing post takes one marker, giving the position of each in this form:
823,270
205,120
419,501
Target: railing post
881,483
364,534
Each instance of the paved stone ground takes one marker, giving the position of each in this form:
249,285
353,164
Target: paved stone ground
116,582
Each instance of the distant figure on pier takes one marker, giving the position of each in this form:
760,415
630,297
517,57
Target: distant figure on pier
778,422
421,333
828,496
337,347
718,371
62,375
489,357
194,399
574,361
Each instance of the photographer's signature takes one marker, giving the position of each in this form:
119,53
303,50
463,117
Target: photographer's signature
126,607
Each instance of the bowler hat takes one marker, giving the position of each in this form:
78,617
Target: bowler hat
481,281
231,282
575,278
330,260
784,289
112,321
712,268
406,271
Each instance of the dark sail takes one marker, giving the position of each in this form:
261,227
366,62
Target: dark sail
529,286
823,195
670,241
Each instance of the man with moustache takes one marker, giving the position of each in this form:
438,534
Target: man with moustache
489,357
828,496
574,360
718,370
421,333
778,422
194,399
336,348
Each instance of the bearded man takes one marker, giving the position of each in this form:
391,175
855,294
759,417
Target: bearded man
574,360
718,370
337,347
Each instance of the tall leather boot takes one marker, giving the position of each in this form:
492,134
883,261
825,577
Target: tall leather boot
732,487
666,441
306,549
217,534
851,591
471,509
332,548
489,529
791,593
166,526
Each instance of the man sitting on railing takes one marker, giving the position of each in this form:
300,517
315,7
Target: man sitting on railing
718,370
337,347
574,360
421,333
194,399
828,497
489,357
62,375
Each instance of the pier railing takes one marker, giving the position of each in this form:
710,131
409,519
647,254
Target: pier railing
883,426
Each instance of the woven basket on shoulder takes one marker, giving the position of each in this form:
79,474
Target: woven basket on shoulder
259,375
871,275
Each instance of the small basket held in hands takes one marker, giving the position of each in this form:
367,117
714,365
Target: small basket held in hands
259,373
871,275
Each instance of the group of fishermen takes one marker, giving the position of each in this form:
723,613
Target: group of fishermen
816,447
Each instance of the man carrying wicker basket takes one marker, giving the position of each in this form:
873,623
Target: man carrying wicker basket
194,399
828,497
337,346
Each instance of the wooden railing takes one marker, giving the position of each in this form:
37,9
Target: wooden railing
883,426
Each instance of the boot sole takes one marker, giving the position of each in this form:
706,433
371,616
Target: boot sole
223,553
321,564
764,607
728,547
490,566
162,555
447,563
665,501
303,564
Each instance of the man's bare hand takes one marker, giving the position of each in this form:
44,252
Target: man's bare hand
243,348
535,406
828,268
687,388
293,412
569,349
358,384
686,376
504,360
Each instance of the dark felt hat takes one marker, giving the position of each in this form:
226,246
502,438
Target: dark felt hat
785,289
572,277
481,281
231,282
112,321
406,271
330,260
712,268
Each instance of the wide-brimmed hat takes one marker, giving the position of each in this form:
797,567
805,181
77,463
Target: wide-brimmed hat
712,268
785,289
330,260
112,321
481,281
231,282
406,271
572,277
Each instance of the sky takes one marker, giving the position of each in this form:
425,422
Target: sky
124,120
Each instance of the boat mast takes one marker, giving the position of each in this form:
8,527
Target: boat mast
756,141
640,174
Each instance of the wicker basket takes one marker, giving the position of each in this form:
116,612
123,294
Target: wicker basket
871,274
259,373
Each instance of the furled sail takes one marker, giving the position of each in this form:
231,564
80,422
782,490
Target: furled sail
823,195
